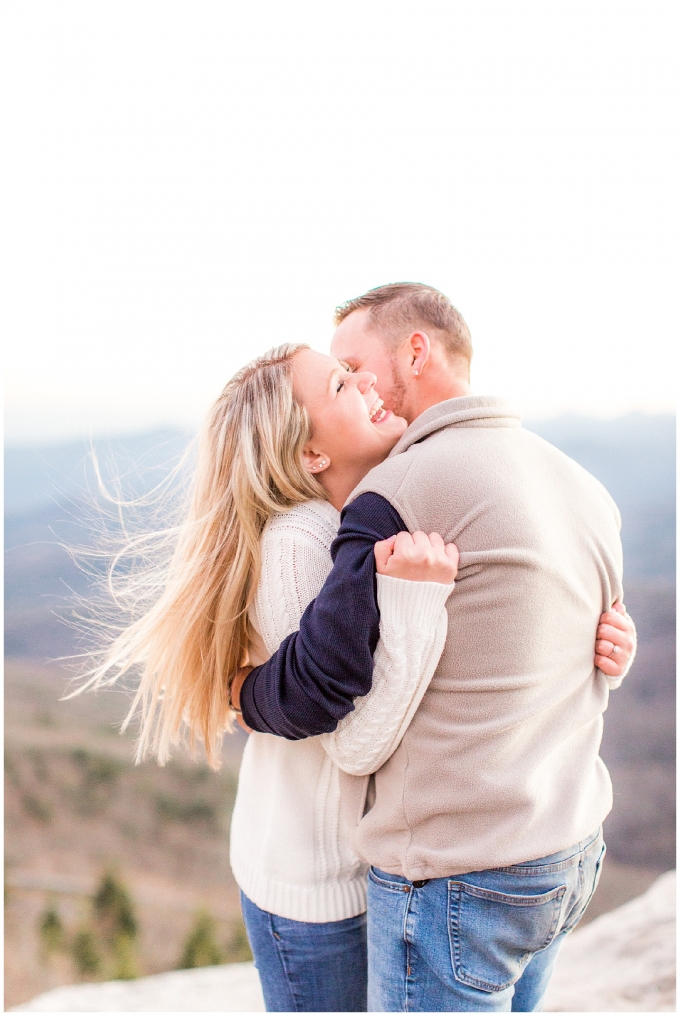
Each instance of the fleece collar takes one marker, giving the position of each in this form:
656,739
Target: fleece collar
470,410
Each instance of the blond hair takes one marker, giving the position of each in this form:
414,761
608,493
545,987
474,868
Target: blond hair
188,644
403,307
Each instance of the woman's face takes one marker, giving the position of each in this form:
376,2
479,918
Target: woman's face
350,429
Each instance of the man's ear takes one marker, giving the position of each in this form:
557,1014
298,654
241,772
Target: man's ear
419,352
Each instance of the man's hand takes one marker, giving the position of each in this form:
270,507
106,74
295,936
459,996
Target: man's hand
615,641
235,695
417,557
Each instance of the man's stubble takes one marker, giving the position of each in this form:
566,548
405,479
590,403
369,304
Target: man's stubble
397,394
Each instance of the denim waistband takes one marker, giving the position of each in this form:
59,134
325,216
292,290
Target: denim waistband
558,857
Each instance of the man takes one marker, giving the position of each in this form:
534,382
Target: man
484,835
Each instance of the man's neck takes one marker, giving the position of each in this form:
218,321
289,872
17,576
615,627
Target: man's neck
431,392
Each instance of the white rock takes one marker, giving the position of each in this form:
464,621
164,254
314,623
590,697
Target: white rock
234,987
623,962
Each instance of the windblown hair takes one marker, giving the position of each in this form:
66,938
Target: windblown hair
193,633
401,308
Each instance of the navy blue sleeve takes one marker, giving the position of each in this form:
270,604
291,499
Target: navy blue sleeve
311,681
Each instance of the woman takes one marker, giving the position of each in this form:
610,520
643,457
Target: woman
253,550
303,887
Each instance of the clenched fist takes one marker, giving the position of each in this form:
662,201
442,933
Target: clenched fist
418,557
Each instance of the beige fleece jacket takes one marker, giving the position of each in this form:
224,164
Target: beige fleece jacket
500,763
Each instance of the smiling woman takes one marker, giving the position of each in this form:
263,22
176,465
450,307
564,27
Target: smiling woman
292,427
351,431
281,449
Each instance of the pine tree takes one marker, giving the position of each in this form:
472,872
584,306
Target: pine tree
200,947
85,953
117,925
51,930
114,908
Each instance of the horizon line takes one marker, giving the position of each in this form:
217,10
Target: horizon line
177,429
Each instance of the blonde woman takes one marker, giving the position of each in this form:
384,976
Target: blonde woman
252,552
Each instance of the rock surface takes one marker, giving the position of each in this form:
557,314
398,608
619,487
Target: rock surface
623,962
234,987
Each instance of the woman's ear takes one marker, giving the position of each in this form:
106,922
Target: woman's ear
419,352
315,461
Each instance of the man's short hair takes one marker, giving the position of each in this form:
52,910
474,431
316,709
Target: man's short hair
401,308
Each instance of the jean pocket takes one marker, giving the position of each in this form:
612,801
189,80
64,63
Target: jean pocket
591,880
393,883
493,935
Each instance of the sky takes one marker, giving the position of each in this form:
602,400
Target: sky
191,183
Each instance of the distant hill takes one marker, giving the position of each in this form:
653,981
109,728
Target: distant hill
51,497
37,477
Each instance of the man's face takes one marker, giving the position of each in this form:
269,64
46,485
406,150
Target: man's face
362,349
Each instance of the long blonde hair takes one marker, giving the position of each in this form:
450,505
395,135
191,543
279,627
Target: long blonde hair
188,644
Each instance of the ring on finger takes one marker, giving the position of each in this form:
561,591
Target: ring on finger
615,649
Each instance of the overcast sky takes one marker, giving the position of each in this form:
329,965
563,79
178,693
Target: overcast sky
193,182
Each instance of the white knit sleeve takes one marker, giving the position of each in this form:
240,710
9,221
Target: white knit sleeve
295,564
413,625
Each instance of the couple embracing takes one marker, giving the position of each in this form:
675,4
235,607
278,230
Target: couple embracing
415,604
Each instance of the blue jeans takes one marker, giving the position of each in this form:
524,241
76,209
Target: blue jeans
307,967
480,942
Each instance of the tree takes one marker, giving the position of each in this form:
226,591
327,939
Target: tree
85,953
114,909
200,947
51,930
117,923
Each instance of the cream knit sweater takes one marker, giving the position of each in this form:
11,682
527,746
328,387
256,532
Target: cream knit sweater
291,843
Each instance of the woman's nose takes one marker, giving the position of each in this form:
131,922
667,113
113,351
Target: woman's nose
365,380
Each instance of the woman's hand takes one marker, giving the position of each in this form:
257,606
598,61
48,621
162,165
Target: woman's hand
615,641
417,557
